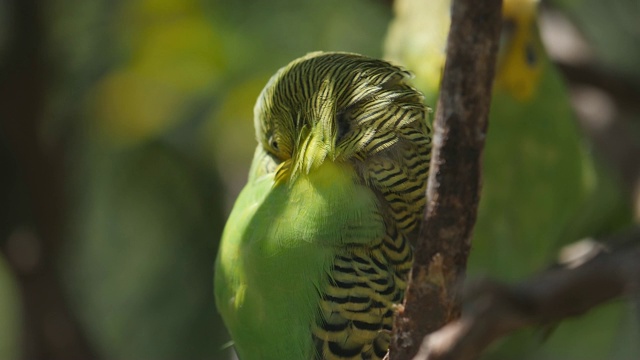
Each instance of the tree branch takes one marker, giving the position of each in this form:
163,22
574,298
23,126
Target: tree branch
495,310
453,190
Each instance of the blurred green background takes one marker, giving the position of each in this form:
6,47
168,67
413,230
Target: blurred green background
126,134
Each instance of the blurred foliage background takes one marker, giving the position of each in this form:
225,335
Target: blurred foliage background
126,134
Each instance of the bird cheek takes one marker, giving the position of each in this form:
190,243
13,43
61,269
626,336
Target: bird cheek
283,172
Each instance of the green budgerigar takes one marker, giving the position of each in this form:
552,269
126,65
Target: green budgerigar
316,250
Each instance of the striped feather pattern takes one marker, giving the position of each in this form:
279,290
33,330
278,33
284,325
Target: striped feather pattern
370,117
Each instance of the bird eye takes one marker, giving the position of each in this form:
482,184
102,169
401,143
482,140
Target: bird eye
343,125
273,143
277,148
530,55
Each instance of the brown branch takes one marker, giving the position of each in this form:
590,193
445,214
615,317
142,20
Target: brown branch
454,183
495,310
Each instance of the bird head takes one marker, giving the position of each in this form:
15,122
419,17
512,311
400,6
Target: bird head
338,107
521,54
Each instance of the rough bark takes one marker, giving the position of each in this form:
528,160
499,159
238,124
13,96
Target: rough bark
442,248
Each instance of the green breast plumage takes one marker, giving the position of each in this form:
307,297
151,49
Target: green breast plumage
281,258
312,261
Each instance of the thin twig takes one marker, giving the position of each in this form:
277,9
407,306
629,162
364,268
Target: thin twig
454,183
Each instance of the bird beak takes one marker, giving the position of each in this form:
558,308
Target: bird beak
315,142
283,172
311,151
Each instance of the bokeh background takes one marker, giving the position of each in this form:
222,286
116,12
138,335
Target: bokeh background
126,133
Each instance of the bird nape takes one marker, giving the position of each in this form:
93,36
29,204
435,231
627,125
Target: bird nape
317,250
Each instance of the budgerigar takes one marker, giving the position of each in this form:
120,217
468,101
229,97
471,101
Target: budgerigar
316,250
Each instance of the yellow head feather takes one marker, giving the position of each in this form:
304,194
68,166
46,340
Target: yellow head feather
521,55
